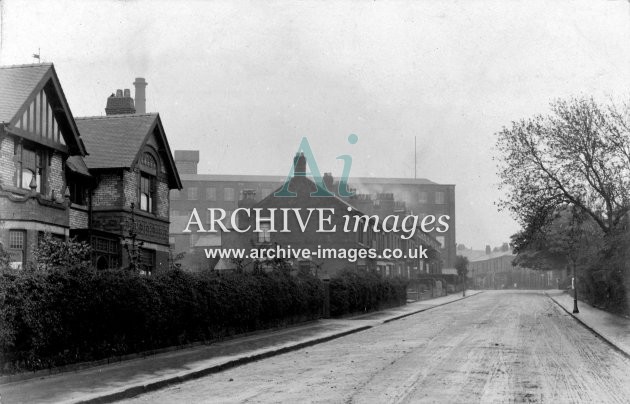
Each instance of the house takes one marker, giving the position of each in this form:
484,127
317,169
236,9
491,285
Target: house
94,178
421,197
332,251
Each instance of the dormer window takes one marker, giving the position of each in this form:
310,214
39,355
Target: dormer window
148,172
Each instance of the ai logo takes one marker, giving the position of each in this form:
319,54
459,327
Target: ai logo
304,151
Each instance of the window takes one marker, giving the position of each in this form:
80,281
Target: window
148,168
175,194
78,192
423,197
228,194
439,197
228,218
192,193
211,194
147,261
105,251
264,236
30,168
17,247
440,239
147,190
148,161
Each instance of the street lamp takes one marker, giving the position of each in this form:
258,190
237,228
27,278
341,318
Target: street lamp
574,286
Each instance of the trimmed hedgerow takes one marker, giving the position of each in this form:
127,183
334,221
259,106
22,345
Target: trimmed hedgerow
56,318
362,291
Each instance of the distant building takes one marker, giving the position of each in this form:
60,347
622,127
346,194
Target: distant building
496,271
80,176
331,244
201,191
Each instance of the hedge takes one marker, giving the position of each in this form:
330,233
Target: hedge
362,291
56,318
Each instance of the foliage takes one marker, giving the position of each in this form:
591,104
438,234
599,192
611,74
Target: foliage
131,243
55,318
578,155
5,258
461,264
174,259
570,238
57,254
353,291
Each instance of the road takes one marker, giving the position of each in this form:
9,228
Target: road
494,347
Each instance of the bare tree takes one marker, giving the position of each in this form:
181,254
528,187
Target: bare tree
578,155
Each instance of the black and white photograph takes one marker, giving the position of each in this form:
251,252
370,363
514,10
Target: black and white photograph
341,201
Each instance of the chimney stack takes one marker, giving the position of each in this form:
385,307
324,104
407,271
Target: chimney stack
141,101
120,103
186,161
299,165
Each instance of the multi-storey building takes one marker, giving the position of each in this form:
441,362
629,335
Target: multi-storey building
420,196
93,177
344,237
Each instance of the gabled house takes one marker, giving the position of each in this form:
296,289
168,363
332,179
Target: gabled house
94,178
37,136
345,240
133,168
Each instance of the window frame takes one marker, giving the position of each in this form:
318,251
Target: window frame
20,249
38,169
149,166
264,235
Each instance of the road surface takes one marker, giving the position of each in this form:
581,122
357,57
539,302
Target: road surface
498,346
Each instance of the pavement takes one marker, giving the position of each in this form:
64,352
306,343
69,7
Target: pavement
613,329
123,380
501,346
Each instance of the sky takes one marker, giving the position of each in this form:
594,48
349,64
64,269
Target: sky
245,81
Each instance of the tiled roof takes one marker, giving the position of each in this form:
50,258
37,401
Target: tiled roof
16,85
76,164
113,141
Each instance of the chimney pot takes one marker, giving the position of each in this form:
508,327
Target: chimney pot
299,164
119,93
127,92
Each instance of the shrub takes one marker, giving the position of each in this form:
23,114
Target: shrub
53,318
354,291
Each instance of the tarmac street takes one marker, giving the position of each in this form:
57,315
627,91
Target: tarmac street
498,346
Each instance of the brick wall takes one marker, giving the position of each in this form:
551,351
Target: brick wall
108,192
78,218
7,165
56,177
31,209
162,198
130,187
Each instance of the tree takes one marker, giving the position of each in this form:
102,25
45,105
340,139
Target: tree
461,264
5,258
570,238
579,155
57,254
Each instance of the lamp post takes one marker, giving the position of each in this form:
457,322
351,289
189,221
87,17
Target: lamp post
574,285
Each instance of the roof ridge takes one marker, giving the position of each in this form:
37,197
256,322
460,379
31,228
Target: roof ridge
76,118
26,65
